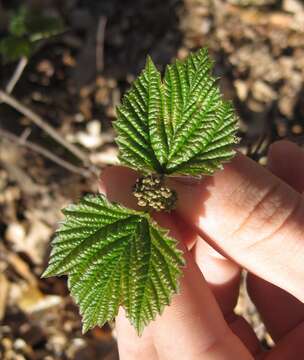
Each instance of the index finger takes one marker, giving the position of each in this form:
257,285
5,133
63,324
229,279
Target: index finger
252,217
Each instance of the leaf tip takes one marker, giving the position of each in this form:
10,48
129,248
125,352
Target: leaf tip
86,327
150,63
47,273
51,270
139,327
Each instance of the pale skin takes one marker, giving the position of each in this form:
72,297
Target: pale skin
243,217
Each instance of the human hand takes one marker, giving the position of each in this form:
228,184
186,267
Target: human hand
255,220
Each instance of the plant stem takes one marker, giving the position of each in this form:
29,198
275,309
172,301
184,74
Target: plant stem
16,75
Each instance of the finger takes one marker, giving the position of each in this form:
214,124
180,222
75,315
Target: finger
222,274
280,311
286,160
223,278
193,317
252,217
117,183
289,348
130,346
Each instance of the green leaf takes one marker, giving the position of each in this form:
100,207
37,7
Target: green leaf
17,25
26,27
34,24
41,26
206,153
13,48
191,129
141,134
115,256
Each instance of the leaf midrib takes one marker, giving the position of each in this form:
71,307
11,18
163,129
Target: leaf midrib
92,239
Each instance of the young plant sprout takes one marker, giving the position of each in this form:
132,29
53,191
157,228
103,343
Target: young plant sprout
115,256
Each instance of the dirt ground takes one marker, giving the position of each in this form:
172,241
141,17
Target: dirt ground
73,82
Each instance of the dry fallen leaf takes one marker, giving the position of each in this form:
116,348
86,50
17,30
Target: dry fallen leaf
32,300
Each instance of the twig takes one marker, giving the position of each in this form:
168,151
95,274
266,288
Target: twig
17,74
25,134
46,153
36,119
100,36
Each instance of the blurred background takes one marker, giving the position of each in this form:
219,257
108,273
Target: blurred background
64,65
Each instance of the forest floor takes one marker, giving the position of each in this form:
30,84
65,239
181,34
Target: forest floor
74,82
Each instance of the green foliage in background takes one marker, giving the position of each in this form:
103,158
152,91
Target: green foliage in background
26,28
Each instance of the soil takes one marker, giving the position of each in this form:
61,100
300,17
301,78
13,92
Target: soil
74,81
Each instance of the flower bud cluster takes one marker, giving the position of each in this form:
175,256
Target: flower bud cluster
151,193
